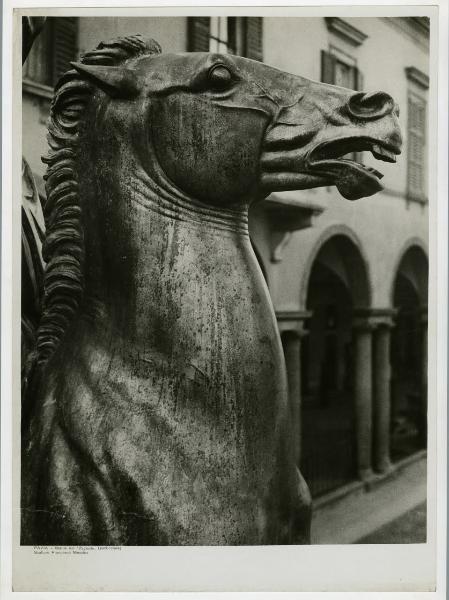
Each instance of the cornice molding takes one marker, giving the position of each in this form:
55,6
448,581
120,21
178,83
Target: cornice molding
422,24
346,31
37,89
416,28
417,77
293,322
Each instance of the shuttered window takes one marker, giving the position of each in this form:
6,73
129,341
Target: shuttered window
52,51
254,37
198,34
341,73
233,35
338,72
65,44
416,147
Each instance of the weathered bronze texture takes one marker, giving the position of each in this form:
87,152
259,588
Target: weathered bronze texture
159,407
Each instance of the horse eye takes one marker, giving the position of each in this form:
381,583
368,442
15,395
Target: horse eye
220,77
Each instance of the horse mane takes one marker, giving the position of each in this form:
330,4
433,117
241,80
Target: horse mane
63,249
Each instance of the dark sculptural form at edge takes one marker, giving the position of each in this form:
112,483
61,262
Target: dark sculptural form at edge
157,412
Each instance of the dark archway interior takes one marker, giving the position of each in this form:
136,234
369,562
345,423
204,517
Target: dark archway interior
337,284
408,381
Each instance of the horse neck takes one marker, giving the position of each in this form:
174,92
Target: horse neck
160,253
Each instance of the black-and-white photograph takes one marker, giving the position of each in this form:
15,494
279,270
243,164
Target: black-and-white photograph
224,280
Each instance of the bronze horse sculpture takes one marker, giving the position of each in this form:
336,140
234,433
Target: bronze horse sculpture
158,396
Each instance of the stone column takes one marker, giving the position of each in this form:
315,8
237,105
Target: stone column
382,391
291,327
424,364
363,338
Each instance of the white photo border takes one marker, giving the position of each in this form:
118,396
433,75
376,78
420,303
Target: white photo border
319,571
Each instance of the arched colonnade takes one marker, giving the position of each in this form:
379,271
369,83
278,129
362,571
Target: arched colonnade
357,373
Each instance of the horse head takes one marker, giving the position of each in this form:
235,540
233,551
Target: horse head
225,129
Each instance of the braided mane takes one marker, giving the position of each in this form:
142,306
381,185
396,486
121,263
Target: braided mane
63,249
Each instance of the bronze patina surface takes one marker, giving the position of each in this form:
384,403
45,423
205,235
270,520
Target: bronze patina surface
159,411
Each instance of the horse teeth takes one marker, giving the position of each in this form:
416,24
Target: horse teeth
382,153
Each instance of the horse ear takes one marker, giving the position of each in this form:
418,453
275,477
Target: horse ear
117,82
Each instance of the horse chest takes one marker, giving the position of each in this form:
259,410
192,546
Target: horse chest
198,457
223,412
185,410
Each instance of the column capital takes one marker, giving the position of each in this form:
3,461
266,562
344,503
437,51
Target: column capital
363,324
293,321
371,318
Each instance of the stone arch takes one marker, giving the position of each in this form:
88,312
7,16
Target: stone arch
412,263
336,283
347,244
409,291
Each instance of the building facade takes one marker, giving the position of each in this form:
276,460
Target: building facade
348,280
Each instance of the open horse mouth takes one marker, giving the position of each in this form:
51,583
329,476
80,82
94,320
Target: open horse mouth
353,179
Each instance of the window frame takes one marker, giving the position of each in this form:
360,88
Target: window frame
247,38
414,97
44,42
40,88
336,55
350,61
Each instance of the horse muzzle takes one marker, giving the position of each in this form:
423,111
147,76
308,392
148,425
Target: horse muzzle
314,152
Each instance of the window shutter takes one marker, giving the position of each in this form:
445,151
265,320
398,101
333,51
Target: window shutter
65,44
254,38
198,34
327,67
416,147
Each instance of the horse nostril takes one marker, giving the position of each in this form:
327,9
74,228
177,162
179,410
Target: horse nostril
371,106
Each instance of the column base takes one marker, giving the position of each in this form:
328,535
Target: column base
366,474
384,467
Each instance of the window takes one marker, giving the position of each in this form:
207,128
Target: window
52,51
228,35
339,68
37,66
416,134
416,147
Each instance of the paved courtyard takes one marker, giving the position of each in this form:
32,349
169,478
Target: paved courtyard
392,512
408,529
